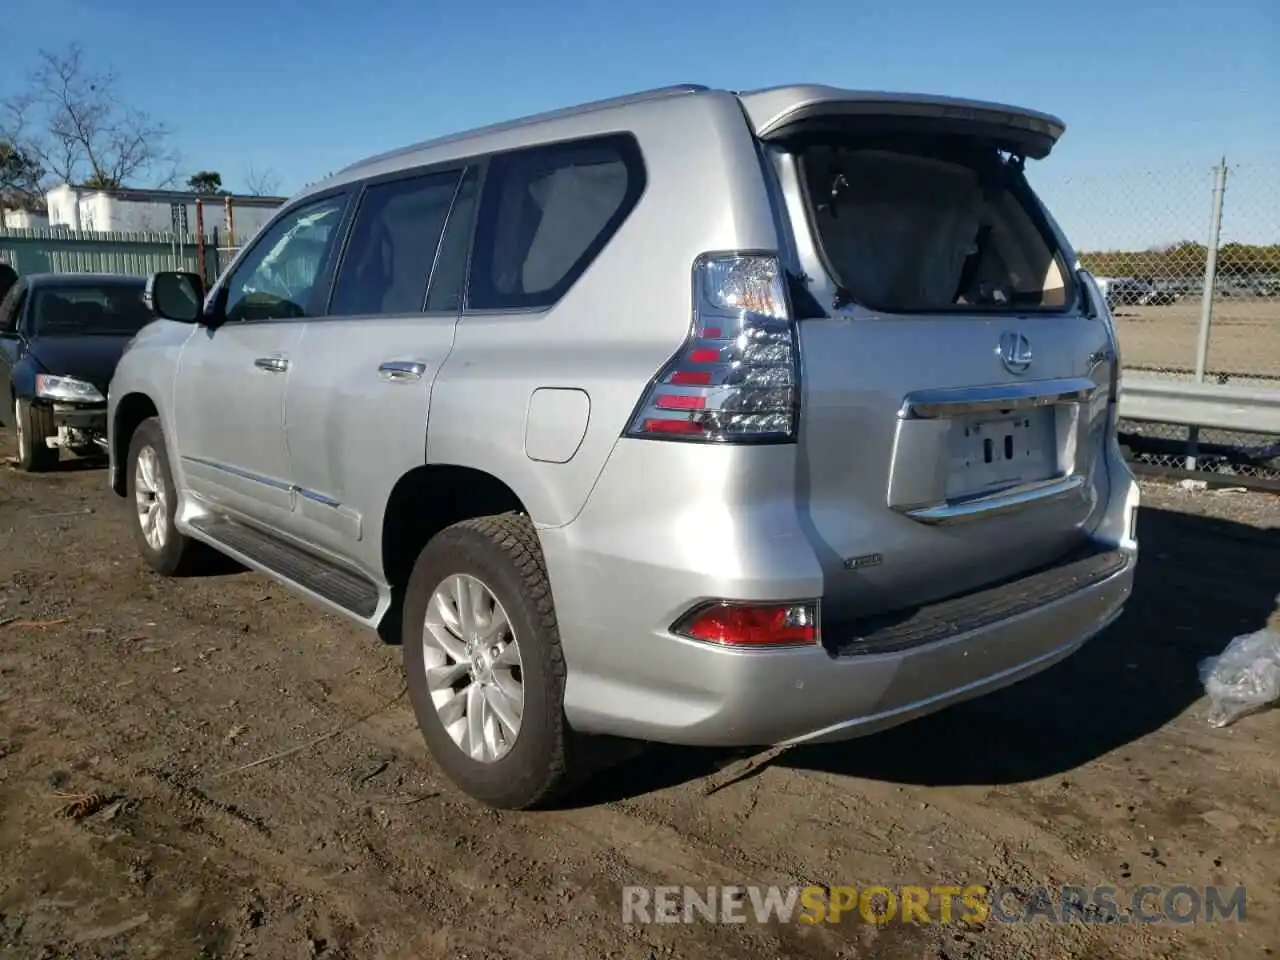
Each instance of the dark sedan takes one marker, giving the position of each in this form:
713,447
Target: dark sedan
61,336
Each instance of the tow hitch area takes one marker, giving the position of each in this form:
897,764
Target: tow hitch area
78,429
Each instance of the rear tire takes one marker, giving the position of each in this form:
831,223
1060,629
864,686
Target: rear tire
502,654
34,426
153,499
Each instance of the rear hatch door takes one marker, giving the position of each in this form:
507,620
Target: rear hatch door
955,374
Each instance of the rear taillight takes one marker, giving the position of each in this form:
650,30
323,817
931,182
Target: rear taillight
736,379
752,625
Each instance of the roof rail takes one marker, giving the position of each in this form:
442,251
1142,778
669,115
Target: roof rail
557,114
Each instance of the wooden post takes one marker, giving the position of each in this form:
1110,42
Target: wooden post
201,267
231,224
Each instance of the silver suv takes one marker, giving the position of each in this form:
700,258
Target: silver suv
692,416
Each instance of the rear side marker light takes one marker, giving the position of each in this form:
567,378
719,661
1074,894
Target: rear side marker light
736,377
752,625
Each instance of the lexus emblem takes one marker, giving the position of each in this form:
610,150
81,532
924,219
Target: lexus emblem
1014,352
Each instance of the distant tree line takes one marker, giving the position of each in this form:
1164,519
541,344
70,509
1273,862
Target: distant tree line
1186,261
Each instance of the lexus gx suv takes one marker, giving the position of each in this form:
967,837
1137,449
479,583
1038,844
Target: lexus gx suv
692,416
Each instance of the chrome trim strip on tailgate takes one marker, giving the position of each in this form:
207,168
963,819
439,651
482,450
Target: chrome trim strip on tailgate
915,488
993,398
1007,500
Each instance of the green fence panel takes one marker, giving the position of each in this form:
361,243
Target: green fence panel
55,250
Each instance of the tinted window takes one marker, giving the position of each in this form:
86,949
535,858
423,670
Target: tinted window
393,245
451,266
100,308
278,275
546,215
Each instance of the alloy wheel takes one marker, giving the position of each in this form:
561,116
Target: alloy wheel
473,668
151,498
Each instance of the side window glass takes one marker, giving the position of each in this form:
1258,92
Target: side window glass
277,278
451,265
392,246
546,214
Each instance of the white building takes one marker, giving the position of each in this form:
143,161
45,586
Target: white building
22,219
136,211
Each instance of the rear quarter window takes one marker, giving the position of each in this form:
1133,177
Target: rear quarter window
545,215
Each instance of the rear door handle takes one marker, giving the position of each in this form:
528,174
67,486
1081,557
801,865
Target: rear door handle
272,364
398,371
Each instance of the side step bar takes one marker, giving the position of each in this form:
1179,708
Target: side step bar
342,587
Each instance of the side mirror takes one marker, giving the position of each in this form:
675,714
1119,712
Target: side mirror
173,295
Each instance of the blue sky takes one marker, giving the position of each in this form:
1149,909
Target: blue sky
1152,93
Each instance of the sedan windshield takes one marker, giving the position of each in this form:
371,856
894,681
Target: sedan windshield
106,308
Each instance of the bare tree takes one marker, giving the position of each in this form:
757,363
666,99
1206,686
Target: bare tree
19,172
70,121
262,183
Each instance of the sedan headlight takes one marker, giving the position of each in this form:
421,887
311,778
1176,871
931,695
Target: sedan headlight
68,389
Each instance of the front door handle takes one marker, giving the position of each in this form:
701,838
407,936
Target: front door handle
398,371
272,364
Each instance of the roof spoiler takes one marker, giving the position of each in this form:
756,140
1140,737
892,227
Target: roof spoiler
785,112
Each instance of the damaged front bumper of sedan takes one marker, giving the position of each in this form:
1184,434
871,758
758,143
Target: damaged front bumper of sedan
80,427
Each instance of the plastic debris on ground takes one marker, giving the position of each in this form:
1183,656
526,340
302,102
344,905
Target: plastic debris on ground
1244,678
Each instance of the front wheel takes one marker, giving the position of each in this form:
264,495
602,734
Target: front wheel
483,662
154,498
34,426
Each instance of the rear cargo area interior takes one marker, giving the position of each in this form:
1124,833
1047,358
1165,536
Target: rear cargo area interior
905,231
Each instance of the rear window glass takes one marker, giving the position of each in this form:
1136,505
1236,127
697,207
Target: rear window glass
907,231
545,216
107,308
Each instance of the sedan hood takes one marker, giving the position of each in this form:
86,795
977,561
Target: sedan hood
90,358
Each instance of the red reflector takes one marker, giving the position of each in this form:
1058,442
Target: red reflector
691,377
679,401
689,427
736,625
704,355
711,333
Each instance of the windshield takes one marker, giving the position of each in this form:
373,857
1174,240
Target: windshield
106,308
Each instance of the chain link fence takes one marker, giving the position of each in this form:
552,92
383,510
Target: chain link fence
1221,455
1157,239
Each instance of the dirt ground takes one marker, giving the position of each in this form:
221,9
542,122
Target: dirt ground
345,842
1244,338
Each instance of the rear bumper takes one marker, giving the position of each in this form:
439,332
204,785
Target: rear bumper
629,676
709,696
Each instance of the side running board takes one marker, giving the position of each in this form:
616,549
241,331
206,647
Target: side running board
339,585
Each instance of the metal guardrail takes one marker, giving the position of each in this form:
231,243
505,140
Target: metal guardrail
1211,405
